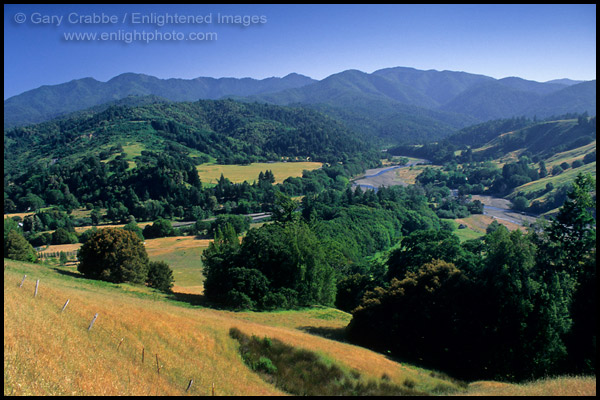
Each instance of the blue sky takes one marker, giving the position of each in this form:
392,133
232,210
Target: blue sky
536,42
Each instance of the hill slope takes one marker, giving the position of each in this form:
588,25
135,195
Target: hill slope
61,357
49,352
226,130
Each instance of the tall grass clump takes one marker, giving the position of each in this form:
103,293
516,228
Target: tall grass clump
304,373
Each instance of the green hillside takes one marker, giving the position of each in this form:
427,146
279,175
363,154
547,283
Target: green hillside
226,130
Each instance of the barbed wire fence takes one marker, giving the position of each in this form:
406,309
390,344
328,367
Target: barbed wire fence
121,346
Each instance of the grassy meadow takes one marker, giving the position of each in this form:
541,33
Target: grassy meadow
210,173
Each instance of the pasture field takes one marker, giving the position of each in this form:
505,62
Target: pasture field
570,155
409,175
210,173
476,225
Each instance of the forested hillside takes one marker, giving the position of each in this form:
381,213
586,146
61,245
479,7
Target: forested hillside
141,161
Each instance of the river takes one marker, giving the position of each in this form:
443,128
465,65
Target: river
377,177
493,206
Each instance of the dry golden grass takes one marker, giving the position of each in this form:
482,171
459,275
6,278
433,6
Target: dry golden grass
21,215
51,353
159,246
561,386
57,248
153,246
210,173
409,175
47,352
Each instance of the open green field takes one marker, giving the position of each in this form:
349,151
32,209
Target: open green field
210,173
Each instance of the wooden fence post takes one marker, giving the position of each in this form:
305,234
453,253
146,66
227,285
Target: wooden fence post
37,283
143,349
92,323
21,285
157,365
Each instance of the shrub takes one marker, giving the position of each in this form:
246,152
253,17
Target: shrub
160,228
590,157
302,372
265,364
520,203
557,170
133,227
577,164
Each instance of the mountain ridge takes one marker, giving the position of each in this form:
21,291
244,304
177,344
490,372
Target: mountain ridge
50,101
391,101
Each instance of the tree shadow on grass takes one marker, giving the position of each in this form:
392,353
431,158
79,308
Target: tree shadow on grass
337,334
193,299
73,274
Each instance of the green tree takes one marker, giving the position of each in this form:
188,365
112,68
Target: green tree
291,257
543,170
114,255
240,223
276,266
133,227
160,228
421,247
160,276
425,318
520,203
220,257
63,236
570,252
10,225
573,231
16,247
284,208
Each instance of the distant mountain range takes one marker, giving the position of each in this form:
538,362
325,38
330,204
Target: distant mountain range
48,102
392,104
